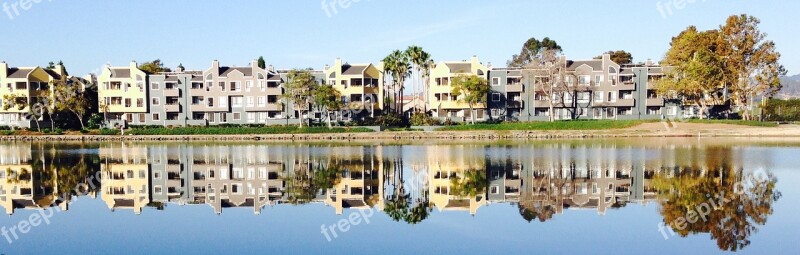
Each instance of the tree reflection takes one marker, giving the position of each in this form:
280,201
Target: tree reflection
739,201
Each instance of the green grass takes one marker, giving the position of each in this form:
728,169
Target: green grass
752,123
243,130
557,125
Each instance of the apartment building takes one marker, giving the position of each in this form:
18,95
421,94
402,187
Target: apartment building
593,89
440,99
125,177
29,85
123,94
361,86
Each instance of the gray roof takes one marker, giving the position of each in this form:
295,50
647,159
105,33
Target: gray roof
19,73
626,71
224,71
515,73
348,69
594,64
459,67
197,78
273,77
120,73
172,78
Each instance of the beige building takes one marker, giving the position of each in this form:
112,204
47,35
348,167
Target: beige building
361,85
125,177
29,85
122,94
440,96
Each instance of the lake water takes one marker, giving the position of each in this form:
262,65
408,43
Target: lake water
653,196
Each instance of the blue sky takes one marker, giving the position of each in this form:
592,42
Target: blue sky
86,34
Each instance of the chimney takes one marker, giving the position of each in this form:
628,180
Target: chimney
3,69
607,58
649,62
271,68
178,69
325,68
215,67
489,65
254,63
134,65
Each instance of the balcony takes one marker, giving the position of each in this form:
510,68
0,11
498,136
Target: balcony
655,102
172,92
515,104
172,107
516,87
623,103
626,86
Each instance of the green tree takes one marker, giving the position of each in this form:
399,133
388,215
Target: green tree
328,99
531,49
20,103
752,62
421,62
398,66
300,90
262,63
71,98
470,183
472,90
697,71
619,56
154,67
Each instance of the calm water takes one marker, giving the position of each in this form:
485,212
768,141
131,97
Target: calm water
661,196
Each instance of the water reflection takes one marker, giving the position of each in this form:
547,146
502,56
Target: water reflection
407,183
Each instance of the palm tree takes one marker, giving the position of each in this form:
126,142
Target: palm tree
397,64
419,60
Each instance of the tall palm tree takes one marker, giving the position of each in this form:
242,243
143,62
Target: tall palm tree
399,66
420,61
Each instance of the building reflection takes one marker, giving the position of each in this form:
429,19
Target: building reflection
542,180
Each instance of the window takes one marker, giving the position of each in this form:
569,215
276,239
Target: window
223,102
495,81
237,116
155,101
598,96
249,84
251,117
250,102
141,118
154,86
612,97
223,117
495,97
583,80
261,101
236,101
598,79
613,79
140,102
156,117
222,85
210,102
235,86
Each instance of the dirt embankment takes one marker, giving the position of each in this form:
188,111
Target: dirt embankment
643,130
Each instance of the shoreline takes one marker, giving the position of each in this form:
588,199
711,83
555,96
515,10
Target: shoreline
650,130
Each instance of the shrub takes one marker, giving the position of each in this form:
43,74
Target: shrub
94,121
422,119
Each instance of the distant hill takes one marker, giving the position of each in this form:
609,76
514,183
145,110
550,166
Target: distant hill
791,87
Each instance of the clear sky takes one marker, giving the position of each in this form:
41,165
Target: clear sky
86,34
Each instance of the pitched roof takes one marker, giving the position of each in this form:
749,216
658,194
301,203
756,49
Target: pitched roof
596,64
348,69
171,78
224,71
52,73
19,73
197,78
120,73
273,77
459,67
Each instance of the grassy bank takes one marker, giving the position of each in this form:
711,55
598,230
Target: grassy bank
243,130
557,125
